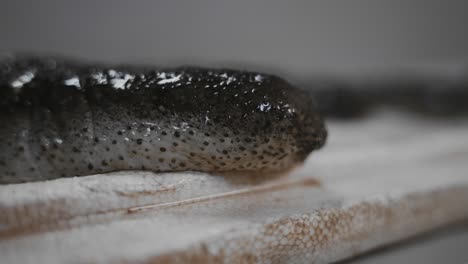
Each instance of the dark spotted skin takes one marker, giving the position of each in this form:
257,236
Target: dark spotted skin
65,119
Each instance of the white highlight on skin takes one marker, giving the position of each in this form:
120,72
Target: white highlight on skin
173,78
119,83
99,78
112,73
264,107
22,80
74,81
229,78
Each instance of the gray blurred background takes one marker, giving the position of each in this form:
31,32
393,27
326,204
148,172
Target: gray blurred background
298,39
294,38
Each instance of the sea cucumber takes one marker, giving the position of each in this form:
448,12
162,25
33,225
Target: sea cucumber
61,118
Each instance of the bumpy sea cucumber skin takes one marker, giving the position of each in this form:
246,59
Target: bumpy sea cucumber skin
60,118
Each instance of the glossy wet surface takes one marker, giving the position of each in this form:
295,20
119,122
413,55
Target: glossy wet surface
61,118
